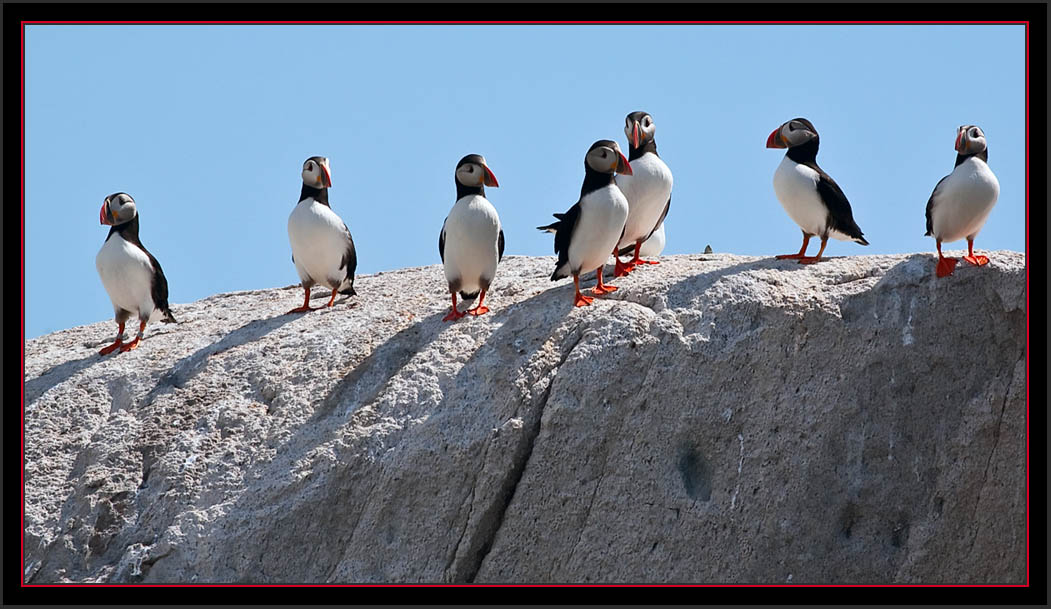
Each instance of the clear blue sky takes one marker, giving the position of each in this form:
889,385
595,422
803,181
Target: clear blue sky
207,128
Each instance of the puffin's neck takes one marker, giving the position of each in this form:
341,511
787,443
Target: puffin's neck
319,194
129,231
804,153
960,158
463,191
634,153
593,180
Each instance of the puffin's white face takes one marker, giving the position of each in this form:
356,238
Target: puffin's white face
970,140
475,172
316,172
639,129
795,133
791,134
607,159
117,208
470,174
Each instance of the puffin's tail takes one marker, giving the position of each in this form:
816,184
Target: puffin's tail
470,296
349,291
553,228
627,249
860,240
561,272
168,317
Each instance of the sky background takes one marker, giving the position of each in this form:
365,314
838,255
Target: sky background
207,127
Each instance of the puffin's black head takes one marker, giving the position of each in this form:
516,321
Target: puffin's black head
604,156
970,140
472,170
316,172
795,132
639,128
117,208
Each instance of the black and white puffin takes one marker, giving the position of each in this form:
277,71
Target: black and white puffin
587,233
322,248
131,275
962,200
471,243
809,195
647,189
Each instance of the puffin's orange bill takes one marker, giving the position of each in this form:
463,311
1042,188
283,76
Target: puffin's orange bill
489,179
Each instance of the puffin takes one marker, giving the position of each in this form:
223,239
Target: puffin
810,196
962,200
591,229
322,248
471,242
131,275
647,189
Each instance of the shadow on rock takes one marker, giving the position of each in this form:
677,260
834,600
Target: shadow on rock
188,367
57,375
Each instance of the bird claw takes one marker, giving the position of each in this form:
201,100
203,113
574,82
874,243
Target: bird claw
479,310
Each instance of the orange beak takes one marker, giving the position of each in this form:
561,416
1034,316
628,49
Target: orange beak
489,179
635,135
328,176
775,141
102,215
623,166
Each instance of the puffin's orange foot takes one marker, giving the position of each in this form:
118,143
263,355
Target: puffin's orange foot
581,300
977,260
809,259
790,256
945,267
111,348
621,269
303,309
479,310
129,346
454,315
605,289
641,261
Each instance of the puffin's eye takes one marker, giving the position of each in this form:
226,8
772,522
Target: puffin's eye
470,169
974,133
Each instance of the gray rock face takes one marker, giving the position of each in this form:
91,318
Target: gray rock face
719,419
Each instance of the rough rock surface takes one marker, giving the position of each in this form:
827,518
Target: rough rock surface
719,419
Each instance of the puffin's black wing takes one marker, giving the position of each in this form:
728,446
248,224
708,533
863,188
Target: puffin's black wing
441,240
567,224
500,246
159,288
930,208
840,217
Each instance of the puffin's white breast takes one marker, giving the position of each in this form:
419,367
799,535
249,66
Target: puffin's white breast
126,274
647,191
654,245
795,185
964,200
602,216
471,242
319,242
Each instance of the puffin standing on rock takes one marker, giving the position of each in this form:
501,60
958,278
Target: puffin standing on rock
322,248
647,189
962,200
810,196
131,275
471,243
590,230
